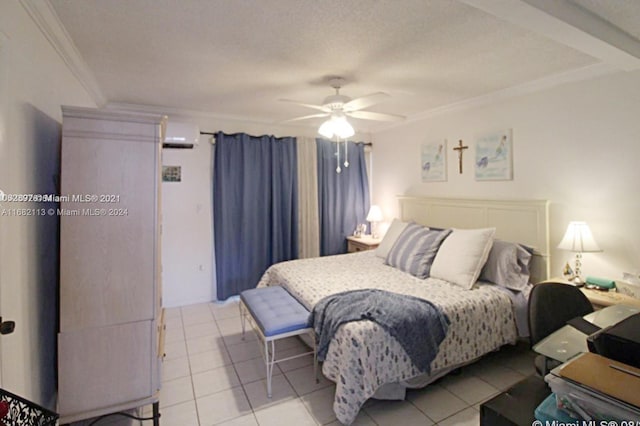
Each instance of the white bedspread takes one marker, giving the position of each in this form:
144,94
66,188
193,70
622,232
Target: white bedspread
362,356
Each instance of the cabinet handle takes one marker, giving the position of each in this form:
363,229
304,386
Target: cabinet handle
7,327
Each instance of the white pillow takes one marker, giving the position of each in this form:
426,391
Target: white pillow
389,239
462,255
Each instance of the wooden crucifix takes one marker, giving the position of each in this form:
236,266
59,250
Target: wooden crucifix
460,148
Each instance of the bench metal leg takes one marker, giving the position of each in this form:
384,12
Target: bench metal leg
270,361
242,317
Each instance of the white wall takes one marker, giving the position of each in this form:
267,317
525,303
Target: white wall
34,82
577,145
187,267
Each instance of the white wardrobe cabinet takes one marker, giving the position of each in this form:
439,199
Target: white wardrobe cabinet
111,323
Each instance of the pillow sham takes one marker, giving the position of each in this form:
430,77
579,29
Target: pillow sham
507,265
462,256
389,239
415,248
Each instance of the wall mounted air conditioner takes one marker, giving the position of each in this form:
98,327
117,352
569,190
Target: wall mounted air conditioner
181,135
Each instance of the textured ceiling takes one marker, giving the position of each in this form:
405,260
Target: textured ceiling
236,58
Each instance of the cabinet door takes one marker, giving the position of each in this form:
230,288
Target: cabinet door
104,367
109,256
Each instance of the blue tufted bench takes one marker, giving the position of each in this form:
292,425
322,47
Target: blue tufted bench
275,315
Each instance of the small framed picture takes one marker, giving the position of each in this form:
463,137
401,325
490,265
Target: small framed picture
434,161
494,156
171,173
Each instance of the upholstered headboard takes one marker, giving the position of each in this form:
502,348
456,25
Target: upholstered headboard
519,221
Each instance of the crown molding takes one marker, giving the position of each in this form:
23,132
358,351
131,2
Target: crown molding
46,19
183,112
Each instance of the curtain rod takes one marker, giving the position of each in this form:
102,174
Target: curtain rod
213,134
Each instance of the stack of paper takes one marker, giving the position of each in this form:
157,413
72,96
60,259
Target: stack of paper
606,376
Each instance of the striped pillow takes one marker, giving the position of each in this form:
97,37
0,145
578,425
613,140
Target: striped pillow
415,249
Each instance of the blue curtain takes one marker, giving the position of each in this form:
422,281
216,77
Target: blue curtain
255,208
343,197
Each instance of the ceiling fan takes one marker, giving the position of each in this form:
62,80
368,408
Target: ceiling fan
339,106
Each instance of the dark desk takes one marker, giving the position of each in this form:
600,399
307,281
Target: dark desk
567,342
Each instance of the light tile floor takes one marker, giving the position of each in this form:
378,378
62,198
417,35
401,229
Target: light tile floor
213,377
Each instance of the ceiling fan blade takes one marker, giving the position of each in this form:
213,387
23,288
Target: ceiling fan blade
305,117
318,107
365,101
368,115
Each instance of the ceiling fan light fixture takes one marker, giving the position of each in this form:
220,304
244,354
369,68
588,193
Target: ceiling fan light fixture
338,126
326,129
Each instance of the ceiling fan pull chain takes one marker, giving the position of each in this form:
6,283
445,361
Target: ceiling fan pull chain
346,152
338,169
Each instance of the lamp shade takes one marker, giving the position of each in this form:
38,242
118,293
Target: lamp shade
375,214
578,238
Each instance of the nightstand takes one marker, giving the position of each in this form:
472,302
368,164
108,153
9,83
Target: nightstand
607,298
600,299
366,242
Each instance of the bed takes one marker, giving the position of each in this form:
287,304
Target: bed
366,361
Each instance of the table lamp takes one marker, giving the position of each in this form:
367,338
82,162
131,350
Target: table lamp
578,239
374,216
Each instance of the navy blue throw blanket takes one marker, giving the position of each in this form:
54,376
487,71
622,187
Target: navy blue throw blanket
417,324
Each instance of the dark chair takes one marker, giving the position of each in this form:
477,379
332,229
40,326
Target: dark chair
551,305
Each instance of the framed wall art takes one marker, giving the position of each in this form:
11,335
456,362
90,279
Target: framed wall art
434,161
494,156
171,173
